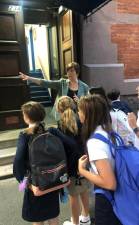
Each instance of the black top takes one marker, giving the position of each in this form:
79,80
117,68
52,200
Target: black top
71,93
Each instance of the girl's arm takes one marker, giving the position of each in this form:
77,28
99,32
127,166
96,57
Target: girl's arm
105,177
20,160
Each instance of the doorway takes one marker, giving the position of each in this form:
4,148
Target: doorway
38,48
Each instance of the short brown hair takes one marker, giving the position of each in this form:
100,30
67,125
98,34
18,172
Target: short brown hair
34,110
73,65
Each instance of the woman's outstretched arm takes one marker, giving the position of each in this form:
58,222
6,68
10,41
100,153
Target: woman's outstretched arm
28,78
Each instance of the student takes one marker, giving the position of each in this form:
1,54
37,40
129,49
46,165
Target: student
116,103
94,115
119,118
35,209
72,87
68,131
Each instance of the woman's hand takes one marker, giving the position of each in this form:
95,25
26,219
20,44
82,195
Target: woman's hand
75,97
23,76
82,163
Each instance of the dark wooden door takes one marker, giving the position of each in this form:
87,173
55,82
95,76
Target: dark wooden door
13,58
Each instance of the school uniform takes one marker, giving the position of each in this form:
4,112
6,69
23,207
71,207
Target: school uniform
35,209
98,150
74,149
121,105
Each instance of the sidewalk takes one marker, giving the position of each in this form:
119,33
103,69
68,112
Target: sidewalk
11,205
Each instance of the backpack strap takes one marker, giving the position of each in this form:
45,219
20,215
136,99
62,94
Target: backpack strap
108,194
100,137
117,137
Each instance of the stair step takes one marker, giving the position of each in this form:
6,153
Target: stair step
7,143
40,98
6,171
39,93
36,74
7,155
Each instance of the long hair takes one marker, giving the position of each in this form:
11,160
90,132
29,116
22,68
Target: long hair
36,114
96,112
68,120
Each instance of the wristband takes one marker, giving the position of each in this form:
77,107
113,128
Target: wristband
136,130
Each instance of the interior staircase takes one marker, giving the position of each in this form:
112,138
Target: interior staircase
38,93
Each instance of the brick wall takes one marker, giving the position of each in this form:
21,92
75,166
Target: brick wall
126,36
111,47
128,6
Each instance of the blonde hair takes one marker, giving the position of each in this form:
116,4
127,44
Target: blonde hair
68,121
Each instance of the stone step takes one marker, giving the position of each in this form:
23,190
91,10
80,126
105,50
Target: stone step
8,138
40,98
6,171
9,134
7,143
7,155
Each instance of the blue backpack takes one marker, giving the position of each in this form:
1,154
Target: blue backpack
125,199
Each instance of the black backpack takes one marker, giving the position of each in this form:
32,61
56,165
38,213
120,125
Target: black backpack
48,165
73,149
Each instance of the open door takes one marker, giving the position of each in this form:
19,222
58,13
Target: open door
13,58
68,51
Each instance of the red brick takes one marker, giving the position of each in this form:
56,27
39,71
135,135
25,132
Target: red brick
128,6
126,36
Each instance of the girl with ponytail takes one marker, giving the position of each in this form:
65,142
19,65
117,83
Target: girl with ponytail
36,209
69,132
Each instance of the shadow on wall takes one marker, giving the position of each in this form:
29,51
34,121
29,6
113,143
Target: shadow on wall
111,76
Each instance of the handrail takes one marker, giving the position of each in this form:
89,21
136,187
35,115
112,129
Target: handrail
43,73
42,68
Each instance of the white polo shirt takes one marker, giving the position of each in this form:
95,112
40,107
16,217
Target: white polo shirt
97,150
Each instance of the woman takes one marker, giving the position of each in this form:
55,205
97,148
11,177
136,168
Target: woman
119,118
72,87
95,117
